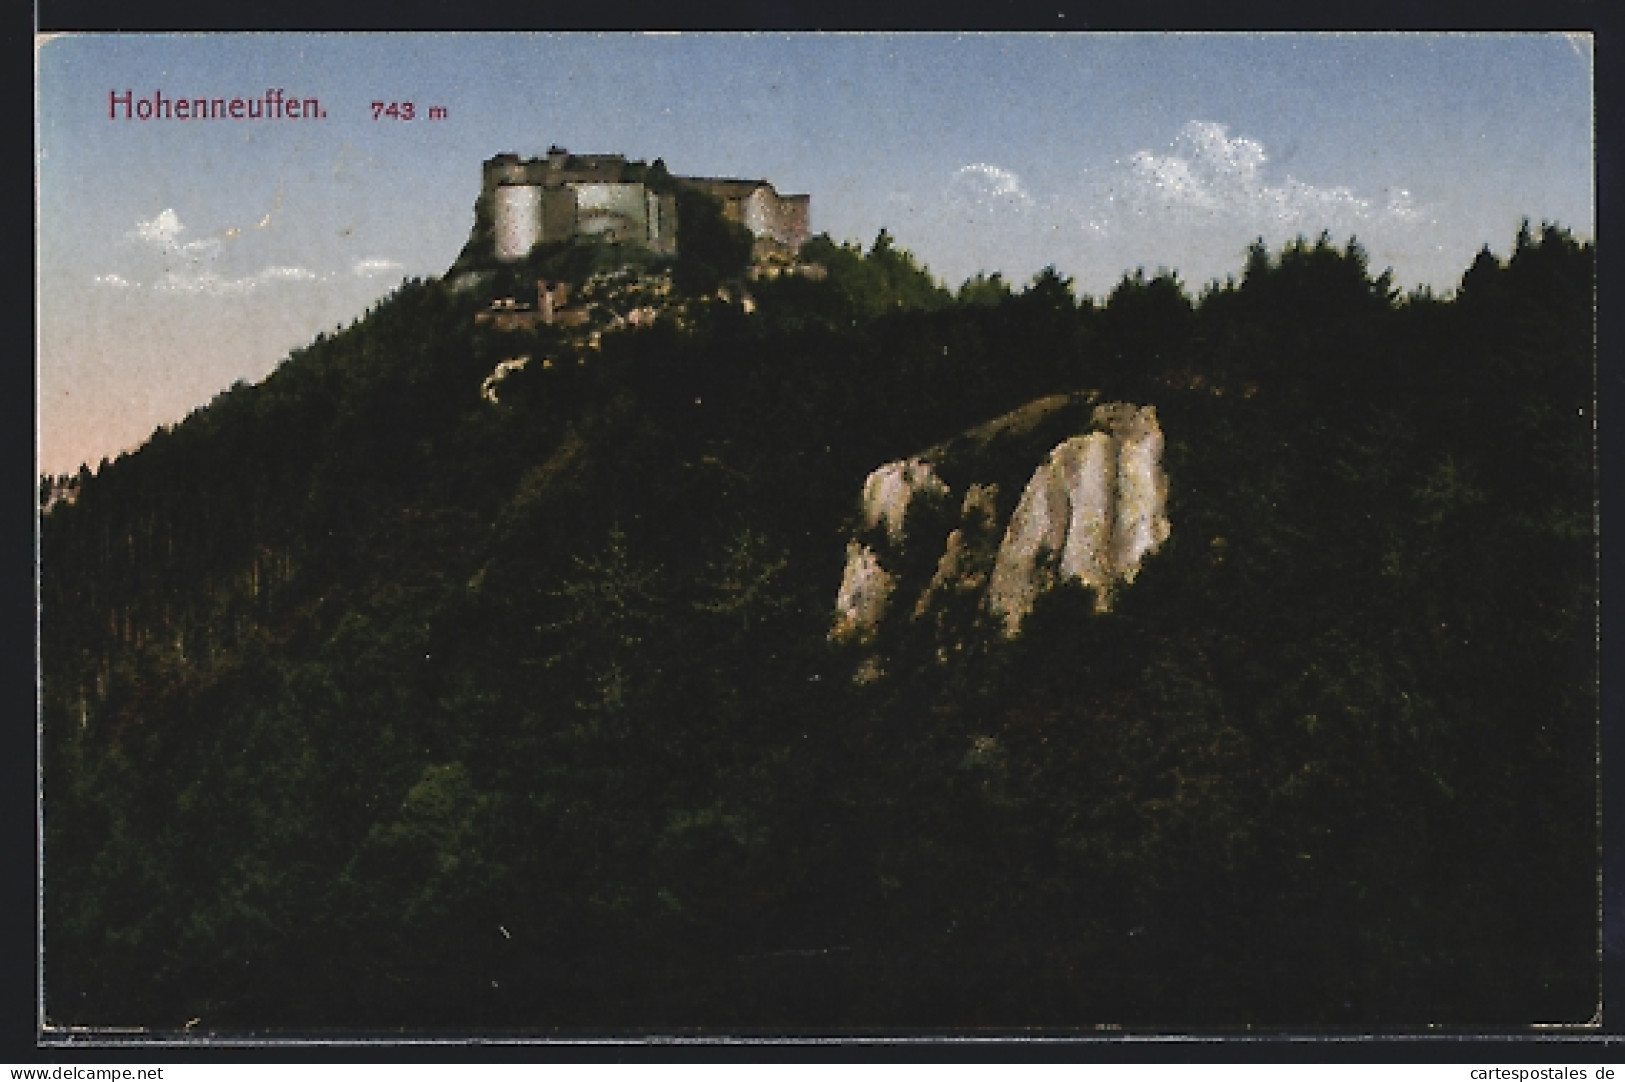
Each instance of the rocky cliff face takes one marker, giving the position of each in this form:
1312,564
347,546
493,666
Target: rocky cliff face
1091,511
866,585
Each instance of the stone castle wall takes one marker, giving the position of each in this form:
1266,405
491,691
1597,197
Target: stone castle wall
564,196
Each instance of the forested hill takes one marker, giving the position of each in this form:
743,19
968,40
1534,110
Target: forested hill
372,699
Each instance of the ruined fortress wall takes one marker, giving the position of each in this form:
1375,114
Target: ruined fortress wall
558,214
662,216
779,218
793,221
758,211
551,173
613,211
754,204
562,196
505,169
518,212
590,167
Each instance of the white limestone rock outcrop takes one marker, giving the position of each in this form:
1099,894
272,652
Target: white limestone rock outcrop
866,586
865,589
1091,513
1061,526
1093,509
889,490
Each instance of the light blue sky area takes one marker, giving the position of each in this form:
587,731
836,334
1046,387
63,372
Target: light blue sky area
178,256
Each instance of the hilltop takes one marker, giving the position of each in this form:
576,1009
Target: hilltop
405,689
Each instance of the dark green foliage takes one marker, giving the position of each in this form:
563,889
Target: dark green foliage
862,285
710,248
985,289
479,251
371,703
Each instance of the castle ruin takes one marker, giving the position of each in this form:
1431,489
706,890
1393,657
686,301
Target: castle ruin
602,197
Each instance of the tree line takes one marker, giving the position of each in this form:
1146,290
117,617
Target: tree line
369,702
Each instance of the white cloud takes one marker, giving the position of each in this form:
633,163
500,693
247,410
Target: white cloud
175,265
368,268
288,274
1401,205
1209,172
989,186
163,233
218,286
1192,206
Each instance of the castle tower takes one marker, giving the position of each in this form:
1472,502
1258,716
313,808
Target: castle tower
518,212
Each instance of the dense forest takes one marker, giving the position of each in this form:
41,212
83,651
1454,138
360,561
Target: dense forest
371,702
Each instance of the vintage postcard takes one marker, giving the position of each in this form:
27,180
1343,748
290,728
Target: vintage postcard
846,534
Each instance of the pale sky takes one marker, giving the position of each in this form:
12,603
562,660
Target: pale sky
177,256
